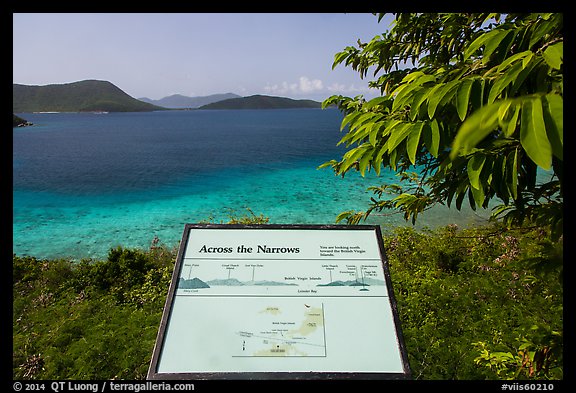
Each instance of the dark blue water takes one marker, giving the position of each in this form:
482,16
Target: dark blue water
88,154
84,183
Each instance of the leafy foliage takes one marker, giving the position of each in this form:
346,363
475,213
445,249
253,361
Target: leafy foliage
247,218
482,303
479,111
92,319
89,320
472,306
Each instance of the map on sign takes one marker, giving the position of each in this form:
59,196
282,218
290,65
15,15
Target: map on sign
294,330
279,300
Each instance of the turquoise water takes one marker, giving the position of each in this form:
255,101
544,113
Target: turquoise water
86,183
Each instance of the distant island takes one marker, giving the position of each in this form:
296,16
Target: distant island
19,122
262,102
103,96
178,101
83,96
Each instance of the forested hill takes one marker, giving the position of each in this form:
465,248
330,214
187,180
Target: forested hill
83,96
178,101
19,122
262,102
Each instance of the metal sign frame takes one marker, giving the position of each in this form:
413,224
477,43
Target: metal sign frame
154,373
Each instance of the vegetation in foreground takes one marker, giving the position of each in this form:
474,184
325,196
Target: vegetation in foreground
483,303
474,101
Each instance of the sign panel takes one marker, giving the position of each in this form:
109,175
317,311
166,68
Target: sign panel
271,301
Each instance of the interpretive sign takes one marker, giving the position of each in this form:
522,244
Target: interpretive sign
280,302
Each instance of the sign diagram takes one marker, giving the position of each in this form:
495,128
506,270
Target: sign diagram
300,277
296,329
272,300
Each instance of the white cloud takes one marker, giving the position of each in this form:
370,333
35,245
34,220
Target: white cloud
339,88
308,86
312,87
336,87
304,86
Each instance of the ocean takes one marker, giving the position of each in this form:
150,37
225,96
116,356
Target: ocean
84,182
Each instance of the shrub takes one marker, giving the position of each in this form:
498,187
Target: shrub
466,297
481,303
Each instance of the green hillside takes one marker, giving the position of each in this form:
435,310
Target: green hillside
19,122
83,96
262,102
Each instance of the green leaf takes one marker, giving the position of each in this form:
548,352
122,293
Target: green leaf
338,58
526,60
364,118
392,159
434,141
476,127
349,118
376,101
554,55
390,126
411,87
417,101
351,157
365,126
525,73
374,133
379,157
513,122
400,100
478,42
377,163
553,117
474,168
448,92
440,96
540,30
533,134
493,43
503,81
364,161
477,195
499,178
477,94
461,193
503,113
513,170
434,97
413,140
413,75
463,97
327,164
347,215
399,133
513,58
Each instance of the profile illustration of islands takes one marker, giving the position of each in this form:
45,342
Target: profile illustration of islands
353,283
196,283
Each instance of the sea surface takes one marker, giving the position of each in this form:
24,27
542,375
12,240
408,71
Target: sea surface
85,182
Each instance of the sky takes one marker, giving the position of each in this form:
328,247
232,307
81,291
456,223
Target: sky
194,54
